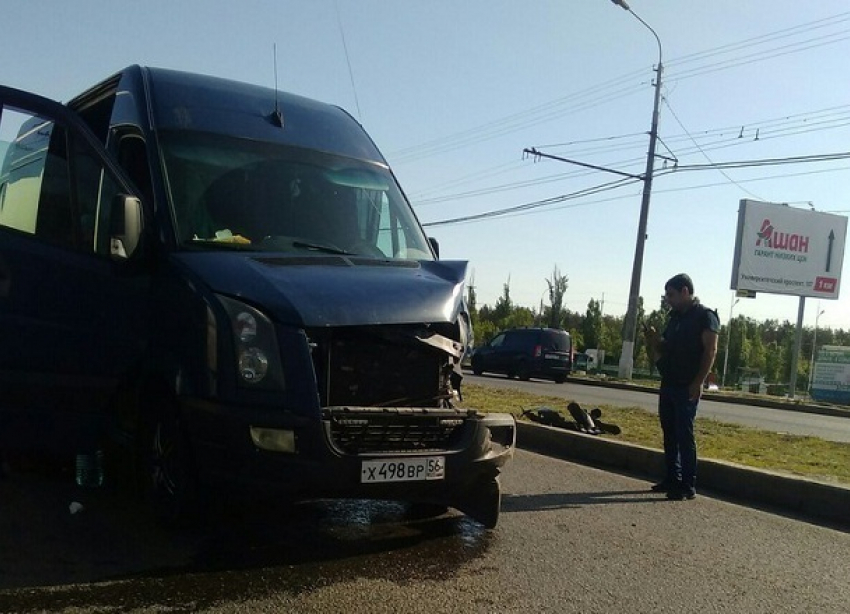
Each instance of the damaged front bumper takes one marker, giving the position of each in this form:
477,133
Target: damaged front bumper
342,454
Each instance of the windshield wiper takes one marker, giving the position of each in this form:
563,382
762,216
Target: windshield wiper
330,249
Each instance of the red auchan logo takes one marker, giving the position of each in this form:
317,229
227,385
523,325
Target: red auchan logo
770,237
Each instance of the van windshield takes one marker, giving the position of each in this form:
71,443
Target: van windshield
228,193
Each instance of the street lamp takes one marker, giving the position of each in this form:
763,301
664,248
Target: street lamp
728,337
630,324
814,349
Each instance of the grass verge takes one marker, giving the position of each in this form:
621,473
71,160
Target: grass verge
809,457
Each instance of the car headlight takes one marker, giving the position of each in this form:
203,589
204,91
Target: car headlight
255,342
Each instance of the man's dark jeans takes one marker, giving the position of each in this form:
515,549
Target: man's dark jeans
677,413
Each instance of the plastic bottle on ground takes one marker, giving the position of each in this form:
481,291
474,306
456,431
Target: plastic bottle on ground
90,469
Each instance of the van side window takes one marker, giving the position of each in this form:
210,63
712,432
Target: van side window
384,222
35,181
50,184
20,173
381,226
516,340
133,158
97,113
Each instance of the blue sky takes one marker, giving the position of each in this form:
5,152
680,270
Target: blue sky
452,92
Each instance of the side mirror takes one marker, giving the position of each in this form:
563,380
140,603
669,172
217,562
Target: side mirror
126,226
435,246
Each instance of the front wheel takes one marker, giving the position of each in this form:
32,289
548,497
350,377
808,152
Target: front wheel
485,504
523,372
476,367
169,479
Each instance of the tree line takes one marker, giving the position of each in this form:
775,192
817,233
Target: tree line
746,347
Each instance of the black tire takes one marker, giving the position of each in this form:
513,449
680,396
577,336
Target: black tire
476,367
523,372
560,379
488,504
168,474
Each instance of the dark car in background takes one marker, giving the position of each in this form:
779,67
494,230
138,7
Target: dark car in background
526,353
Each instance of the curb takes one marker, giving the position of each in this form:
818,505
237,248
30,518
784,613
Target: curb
806,408
807,498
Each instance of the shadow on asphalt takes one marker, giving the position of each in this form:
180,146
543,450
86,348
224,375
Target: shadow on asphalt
111,540
556,501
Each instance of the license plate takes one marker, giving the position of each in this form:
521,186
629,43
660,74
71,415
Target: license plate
403,469
554,357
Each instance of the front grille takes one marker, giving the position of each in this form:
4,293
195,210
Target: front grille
377,367
358,432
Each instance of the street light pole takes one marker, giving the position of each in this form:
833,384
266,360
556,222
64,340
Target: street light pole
814,349
630,325
728,337
542,319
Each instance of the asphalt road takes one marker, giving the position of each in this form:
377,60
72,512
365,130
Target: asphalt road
571,539
832,428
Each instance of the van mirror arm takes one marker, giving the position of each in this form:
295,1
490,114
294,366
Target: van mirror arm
126,225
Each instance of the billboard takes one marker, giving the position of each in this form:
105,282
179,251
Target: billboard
831,377
782,250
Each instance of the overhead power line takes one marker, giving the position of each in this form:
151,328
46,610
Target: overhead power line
770,54
817,24
705,155
587,203
622,182
504,126
763,162
617,88
532,205
799,123
728,137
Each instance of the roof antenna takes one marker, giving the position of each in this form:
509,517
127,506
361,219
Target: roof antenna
276,116
347,60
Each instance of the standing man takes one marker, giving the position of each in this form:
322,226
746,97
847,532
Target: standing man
684,354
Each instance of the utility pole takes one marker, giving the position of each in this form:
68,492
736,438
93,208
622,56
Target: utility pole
728,338
630,325
814,348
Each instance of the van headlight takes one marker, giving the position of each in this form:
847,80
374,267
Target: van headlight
254,340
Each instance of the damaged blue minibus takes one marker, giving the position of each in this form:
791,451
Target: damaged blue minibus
227,282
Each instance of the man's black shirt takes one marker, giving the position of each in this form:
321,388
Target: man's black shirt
683,347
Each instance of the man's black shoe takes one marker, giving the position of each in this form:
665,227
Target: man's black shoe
679,494
665,486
